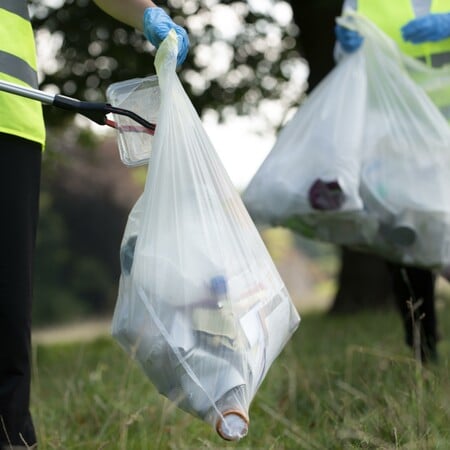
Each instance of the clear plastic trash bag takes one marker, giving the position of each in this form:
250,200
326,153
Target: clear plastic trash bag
309,182
201,306
399,163
405,175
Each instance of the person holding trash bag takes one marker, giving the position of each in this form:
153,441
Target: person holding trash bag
22,136
421,29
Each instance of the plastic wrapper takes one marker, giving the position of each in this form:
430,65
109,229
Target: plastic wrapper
201,306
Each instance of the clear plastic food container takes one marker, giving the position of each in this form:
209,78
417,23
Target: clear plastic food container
142,96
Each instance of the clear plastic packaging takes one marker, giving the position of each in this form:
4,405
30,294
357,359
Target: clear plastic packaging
143,97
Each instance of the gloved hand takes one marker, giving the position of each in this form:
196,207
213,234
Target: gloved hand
429,28
157,25
350,40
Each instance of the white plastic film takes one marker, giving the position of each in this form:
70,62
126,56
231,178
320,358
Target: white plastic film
194,269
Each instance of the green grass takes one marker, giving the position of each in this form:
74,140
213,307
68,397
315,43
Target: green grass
341,383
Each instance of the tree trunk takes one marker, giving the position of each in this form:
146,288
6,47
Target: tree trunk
316,21
364,280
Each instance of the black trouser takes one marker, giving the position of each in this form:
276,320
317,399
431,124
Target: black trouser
20,166
414,285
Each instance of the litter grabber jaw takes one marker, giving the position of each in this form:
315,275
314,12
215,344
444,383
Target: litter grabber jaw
95,111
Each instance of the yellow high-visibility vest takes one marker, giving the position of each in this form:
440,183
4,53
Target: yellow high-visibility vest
391,15
18,115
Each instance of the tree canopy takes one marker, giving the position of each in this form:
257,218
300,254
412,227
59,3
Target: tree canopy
242,53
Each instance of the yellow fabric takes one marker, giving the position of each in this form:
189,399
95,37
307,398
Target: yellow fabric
392,15
16,37
19,116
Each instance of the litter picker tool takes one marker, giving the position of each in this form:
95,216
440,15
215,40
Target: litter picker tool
95,111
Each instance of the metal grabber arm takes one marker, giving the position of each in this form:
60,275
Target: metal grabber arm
95,111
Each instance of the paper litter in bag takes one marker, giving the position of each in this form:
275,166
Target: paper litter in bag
201,306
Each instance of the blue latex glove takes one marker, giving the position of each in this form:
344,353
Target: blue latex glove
350,40
429,28
157,25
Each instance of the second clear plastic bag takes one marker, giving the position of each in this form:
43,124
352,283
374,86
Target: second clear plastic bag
201,305
371,125
405,176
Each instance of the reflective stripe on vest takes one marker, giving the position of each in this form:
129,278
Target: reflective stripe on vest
18,115
392,15
17,7
18,68
17,39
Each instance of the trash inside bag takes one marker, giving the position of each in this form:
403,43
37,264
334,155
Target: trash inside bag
201,306
405,174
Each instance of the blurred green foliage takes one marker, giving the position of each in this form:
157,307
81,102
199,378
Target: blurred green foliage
82,218
257,49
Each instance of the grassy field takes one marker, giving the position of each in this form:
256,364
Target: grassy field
342,383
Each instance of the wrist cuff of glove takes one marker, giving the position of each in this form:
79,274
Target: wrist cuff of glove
151,15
